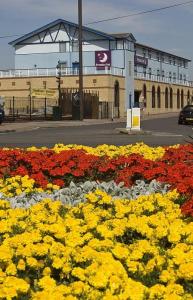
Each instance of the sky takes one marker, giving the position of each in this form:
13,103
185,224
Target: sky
169,30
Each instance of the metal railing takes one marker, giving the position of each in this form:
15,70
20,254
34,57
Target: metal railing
90,70
168,80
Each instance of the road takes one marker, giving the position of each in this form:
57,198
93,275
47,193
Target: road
165,131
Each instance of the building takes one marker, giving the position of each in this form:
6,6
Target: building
123,72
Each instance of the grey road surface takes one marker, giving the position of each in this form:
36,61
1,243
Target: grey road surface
164,131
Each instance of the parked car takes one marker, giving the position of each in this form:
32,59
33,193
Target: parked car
186,115
2,115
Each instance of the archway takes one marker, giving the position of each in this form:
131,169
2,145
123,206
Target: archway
188,97
145,95
153,96
178,99
116,99
182,98
166,98
158,97
171,98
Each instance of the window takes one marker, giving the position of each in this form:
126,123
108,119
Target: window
180,63
163,74
170,76
149,54
174,61
170,60
144,52
0,83
180,76
112,45
75,46
184,64
62,47
174,76
119,44
149,71
144,70
28,83
158,72
13,83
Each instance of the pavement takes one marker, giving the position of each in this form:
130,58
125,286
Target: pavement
21,126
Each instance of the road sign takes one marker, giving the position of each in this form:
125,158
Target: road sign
43,93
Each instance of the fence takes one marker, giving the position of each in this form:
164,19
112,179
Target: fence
30,108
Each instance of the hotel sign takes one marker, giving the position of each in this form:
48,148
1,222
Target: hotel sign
102,59
140,60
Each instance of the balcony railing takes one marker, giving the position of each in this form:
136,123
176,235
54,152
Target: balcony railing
168,80
64,72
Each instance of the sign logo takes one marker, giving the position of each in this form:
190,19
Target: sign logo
102,59
139,60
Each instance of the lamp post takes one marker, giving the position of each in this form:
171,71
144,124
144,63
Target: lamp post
58,77
80,58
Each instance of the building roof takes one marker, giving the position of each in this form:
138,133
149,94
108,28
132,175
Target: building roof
124,35
162,51
54,23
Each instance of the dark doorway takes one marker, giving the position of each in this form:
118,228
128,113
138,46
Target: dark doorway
136,99
116,99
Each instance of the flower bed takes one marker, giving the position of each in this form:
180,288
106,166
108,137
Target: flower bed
123,227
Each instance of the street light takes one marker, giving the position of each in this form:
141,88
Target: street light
80,58
58,80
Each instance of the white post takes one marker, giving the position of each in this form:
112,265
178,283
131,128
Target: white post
129,123
135,116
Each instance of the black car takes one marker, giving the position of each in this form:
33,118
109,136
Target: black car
186,115
2,115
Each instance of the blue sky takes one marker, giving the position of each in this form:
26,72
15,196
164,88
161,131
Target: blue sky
169,30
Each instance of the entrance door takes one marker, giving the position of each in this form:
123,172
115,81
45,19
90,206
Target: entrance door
136,99
116,100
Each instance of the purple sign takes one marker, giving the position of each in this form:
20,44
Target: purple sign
102,59
140,60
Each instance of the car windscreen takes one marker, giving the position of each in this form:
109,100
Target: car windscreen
188,108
